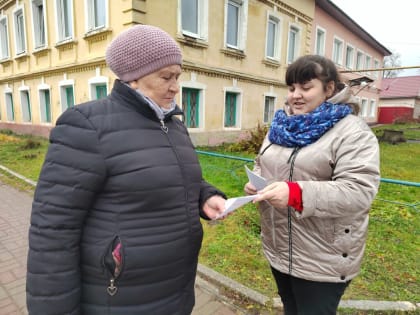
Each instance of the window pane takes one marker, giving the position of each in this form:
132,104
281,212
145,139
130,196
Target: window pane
190,103
20,33
292,44
99,13
69,96
232,25
190,16
268,109
320,42
100,91
230,110
4,39
9,107
271,38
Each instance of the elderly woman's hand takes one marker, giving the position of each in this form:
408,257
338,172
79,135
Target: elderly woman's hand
214,206
277,194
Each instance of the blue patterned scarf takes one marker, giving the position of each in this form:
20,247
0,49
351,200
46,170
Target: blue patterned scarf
301,130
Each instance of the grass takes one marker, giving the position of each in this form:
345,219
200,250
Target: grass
390,270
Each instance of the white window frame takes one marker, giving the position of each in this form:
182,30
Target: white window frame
274,20
39,24
92,24
270,116
19,30
242,6
64,20
349,64
4,38
202,20
25,104
296,29
202,102
239,106
337,52
320,46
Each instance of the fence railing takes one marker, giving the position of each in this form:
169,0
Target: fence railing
384,180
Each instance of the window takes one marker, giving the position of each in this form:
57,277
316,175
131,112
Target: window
359,60
372,108
349,57
338,51
66,96
364,108
269,108
320,42
26,105
191,106
4,39
45,105
194,19
38,20
96,14
293,45
236,19
20,36
273,33
64,19
10,112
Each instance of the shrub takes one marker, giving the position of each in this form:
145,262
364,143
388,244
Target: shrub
252,143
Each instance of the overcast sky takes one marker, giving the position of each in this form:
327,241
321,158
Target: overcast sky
395,24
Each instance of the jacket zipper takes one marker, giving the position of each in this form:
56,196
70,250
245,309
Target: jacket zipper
112,288
291,161
163,126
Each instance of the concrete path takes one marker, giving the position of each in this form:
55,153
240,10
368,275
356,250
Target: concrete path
15,207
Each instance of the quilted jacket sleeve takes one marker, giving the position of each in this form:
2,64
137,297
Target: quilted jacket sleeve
72,174
355,179
206,192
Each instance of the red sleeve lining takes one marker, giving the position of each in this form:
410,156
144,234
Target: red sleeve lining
295,196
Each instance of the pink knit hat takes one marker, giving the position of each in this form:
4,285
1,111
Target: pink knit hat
140,50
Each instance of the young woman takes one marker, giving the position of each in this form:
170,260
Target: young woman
323,165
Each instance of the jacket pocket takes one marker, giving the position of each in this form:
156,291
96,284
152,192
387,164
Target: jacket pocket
113,262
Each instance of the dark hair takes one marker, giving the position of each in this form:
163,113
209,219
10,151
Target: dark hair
310,67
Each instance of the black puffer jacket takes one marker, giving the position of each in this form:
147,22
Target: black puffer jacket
114,174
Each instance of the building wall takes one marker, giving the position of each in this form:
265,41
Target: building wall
369,95
398,108
208,65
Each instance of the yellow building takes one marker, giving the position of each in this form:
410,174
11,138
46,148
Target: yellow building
235,53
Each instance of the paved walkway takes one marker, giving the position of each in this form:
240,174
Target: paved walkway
15,209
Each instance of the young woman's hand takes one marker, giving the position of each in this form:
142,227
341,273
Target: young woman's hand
277,194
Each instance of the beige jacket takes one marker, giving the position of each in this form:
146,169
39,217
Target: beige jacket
339,177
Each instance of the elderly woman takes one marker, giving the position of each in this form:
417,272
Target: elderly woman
115,225
322,162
